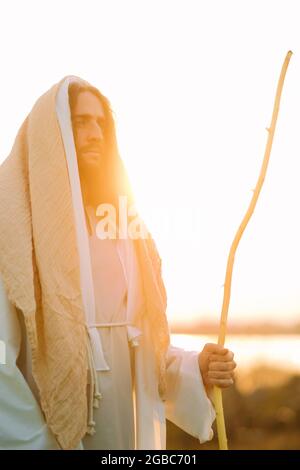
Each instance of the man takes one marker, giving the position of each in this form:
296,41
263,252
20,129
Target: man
89,364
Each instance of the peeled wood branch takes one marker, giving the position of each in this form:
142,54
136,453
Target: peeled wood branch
227,286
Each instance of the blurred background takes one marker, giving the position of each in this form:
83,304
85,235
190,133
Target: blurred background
262,410
192,85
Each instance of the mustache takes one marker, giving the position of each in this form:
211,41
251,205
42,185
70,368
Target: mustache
92,148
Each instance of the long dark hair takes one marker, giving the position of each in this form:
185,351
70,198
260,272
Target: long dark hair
114,179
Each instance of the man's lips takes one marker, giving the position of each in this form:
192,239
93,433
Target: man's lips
92,153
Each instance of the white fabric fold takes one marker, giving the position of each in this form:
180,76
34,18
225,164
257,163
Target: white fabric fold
22,424
150,411
97,350
129,261
185,387
86,278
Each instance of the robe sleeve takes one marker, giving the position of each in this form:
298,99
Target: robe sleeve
22,424
187,404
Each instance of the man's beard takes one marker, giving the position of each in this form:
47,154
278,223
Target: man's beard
99,185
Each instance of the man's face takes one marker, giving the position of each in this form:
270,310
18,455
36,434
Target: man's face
88,125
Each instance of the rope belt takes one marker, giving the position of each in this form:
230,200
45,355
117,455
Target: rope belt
107,325
94,392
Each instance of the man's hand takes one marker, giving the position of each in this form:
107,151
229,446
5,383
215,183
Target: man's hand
216,366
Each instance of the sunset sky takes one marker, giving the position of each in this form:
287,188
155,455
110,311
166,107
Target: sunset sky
192,85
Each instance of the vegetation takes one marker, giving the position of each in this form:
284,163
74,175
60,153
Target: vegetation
262,412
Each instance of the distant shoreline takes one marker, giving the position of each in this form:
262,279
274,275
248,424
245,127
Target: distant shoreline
254,329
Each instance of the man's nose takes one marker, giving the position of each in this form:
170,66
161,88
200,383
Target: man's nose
95,132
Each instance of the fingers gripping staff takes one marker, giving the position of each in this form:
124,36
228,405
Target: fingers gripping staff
227,286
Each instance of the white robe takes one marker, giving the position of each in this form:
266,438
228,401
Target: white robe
115,414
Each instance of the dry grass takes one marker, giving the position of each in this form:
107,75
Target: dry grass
262,412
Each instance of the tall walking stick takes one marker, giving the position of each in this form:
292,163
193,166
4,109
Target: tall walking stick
227,286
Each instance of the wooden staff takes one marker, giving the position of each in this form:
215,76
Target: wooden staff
227,286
